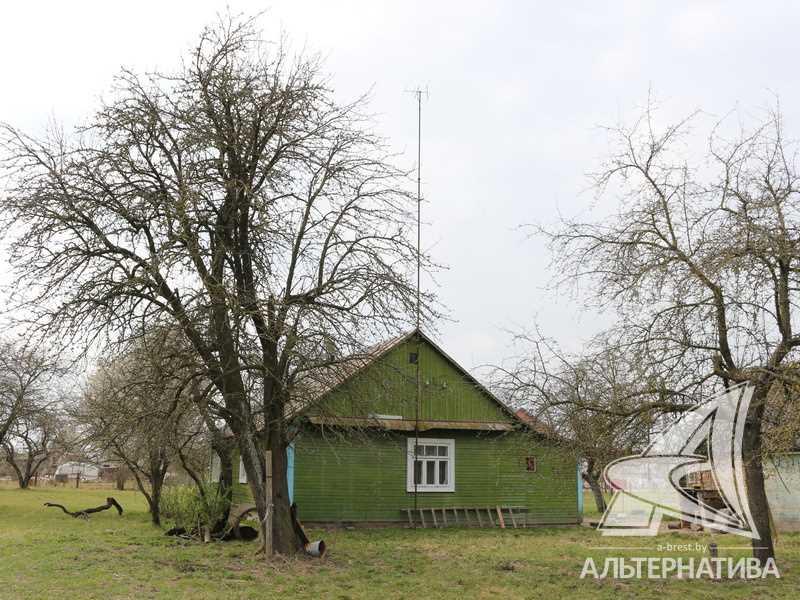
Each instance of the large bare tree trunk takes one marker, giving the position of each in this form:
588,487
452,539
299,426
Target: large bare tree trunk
284,537
155,502
253,447
253,463
224,450
225,480
763,548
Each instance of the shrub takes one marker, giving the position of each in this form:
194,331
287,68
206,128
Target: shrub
186,507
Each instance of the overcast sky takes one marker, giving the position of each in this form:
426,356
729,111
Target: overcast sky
517,90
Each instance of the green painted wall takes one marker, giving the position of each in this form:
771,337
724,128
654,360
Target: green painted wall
361,476
344,479
388,387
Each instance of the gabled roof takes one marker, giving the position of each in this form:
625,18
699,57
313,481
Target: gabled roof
331,377
324,379
535,424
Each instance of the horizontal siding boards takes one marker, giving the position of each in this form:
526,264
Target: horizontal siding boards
388,387
361,476
356,480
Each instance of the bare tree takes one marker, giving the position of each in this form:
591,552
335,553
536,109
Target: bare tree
235,197
589,403
27,380
33,440
701,261
135,411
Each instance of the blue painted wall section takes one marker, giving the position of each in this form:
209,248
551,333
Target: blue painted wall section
290,471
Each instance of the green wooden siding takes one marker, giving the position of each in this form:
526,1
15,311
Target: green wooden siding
358,480
388,387
342,475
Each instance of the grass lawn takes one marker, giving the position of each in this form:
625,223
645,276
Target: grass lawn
590,507
45,554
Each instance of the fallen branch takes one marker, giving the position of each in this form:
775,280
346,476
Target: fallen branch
84,514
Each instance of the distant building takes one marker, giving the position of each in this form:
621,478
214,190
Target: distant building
71,470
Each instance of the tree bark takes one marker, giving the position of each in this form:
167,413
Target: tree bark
28,474
594,485
252,446
155,477
284,537
155,507
763,548
156,486
223,449
254,467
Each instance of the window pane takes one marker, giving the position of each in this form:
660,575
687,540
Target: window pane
442,472
430,466
442,450
418,472
430,450
419,450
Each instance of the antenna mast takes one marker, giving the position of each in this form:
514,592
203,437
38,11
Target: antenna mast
418,93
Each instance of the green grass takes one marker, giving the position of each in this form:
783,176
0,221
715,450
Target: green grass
45,554
590,507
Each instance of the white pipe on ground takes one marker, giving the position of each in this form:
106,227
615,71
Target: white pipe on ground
315,548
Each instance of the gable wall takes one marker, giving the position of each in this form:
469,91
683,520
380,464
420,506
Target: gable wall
388,387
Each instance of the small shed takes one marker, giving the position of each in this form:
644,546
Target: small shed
71,470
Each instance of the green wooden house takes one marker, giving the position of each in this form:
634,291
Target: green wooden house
366,452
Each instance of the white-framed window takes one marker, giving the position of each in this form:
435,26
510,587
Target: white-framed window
431,465
242,472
